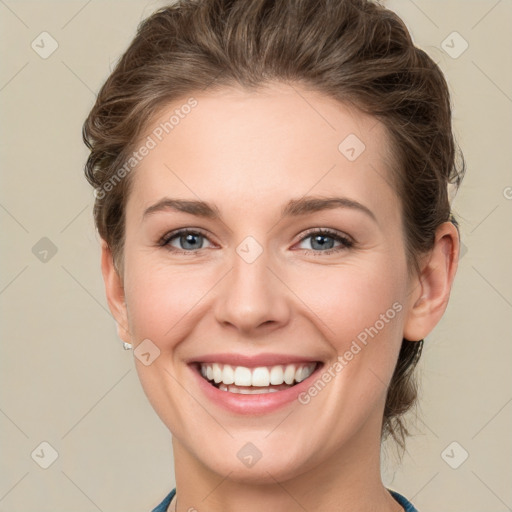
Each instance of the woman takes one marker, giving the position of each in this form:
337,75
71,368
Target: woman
271,193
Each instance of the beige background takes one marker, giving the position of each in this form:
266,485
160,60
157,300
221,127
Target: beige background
64,376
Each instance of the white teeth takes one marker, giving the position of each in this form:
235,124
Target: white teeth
260,377
289,374
307,371
302,373
243,376
228,374
249,391
276,375
217,373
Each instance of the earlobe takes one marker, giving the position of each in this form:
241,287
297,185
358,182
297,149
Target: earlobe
431,290
114,290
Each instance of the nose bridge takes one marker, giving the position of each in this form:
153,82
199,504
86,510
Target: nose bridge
251,295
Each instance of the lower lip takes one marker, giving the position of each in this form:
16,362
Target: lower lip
252,404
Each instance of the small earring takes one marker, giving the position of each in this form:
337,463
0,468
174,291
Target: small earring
127,346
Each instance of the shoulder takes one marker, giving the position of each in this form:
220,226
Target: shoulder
162,507
408,506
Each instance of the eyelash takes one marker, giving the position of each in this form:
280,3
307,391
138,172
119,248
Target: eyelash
346,243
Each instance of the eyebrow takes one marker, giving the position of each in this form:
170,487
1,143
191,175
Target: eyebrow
294,207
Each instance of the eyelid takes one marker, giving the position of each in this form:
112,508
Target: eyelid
326,231
165,239
346,242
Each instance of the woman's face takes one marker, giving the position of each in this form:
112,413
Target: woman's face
256,285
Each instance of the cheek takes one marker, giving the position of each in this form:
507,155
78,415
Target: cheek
359,310
159,297
351,298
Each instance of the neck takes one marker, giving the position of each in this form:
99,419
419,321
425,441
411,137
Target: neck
348,480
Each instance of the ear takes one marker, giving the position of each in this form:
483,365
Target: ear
430,290
115,292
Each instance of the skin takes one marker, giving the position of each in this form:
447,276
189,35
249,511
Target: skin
250,153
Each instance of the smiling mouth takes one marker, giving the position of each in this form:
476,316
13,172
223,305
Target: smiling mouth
259,380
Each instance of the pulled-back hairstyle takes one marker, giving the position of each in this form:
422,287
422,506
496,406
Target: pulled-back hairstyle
354,51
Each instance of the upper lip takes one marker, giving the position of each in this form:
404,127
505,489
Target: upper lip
267,359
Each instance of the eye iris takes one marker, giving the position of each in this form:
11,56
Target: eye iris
321,240
189,238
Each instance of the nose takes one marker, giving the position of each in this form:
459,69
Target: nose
253,298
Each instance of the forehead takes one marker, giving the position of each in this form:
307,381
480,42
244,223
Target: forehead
237,147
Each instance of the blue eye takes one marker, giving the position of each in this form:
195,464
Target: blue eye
189,241
324,239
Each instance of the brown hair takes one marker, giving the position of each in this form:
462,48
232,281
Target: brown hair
354,51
